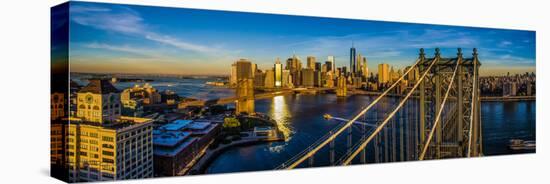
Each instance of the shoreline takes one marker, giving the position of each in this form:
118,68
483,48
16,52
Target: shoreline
209,157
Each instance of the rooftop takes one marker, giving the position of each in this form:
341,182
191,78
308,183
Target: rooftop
125,122
170,139
176,125
170,143
99,86
198,125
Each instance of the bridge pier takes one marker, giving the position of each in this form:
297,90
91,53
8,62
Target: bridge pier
245,96
341,87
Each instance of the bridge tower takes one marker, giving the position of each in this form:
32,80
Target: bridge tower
341,89
245,88
245,97
458,133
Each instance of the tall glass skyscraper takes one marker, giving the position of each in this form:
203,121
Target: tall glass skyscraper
278,73
352,59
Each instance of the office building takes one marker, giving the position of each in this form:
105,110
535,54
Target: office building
177,144
307,77
352,59
311,62
383,73
331,65
269,81
102,144
278,73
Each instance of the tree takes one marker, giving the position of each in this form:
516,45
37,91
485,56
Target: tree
231,123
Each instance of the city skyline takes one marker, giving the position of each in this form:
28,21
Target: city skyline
138,39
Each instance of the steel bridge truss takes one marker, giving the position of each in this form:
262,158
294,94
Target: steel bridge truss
445,116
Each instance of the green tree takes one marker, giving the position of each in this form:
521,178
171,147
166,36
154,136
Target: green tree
231,123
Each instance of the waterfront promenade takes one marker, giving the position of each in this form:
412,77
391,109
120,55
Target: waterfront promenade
211,154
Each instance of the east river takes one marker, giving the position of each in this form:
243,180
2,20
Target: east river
301,117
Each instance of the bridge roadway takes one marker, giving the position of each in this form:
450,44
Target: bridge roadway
222,101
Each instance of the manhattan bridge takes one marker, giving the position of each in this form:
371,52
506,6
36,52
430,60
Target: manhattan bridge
437,117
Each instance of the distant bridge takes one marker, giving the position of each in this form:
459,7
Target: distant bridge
266,95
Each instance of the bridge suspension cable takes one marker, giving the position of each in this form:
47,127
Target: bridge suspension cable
474,89
311,151
386,120
439,112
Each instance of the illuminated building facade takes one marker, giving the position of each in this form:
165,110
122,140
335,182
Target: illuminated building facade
278,73
383,73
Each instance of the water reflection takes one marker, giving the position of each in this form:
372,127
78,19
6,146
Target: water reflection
280,113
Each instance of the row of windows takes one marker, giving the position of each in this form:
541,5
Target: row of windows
95,107
108,146
107,139
133,133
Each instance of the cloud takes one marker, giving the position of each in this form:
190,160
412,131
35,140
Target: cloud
505,43
179,44
85,9
122,48
128,22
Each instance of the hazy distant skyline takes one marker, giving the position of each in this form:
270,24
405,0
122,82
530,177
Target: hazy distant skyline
110,38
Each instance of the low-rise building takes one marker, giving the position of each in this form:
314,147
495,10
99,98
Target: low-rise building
178,143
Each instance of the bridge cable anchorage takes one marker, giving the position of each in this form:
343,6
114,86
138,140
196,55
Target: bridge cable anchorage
350,122
439,112
472,111
386,120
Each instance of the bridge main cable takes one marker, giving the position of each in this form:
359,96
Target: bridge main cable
383,124
472,110
350,122
438,117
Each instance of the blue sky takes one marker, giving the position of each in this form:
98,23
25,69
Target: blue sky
141,39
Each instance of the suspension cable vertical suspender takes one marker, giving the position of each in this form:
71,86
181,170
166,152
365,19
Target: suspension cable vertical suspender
436,121
377,130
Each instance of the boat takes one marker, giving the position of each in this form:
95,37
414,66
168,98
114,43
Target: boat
327,116
518,144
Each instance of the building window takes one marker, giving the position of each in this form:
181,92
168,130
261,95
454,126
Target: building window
106,160
108,139
108,146
109,153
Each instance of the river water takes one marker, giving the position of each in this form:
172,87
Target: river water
302,115
301,118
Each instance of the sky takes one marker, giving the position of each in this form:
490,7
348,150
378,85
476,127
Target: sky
114,38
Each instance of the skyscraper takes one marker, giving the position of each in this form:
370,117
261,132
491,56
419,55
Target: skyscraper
259,79
233,77
365,69
307,77
311,62
318,66
383,73
269,79
243,69
358,64
287,80
352,59
332,65
278,73
295,66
